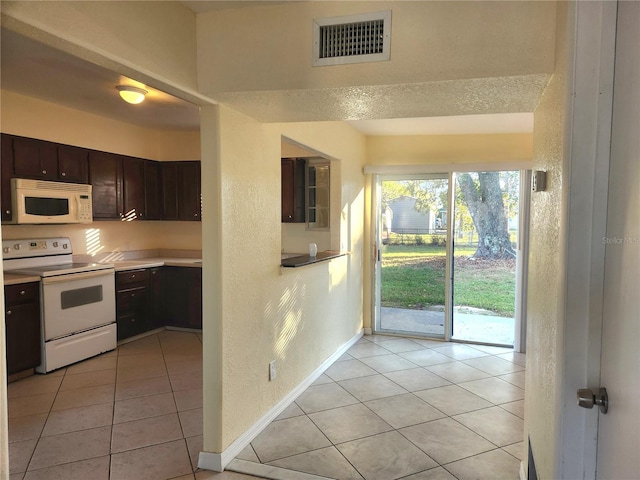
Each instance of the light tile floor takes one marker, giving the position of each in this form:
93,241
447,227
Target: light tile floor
401,408
389,408
134,413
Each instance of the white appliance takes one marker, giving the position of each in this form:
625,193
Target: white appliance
39,201
77,300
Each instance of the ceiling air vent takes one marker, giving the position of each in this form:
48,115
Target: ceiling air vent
352,39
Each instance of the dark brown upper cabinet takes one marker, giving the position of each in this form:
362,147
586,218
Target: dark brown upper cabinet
189,198
152,190
181,191
42,160
34,158
105,175
73,164
169,187
133,188
6,162
292,190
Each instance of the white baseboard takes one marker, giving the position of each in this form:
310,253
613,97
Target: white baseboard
523,470
260,470
217,461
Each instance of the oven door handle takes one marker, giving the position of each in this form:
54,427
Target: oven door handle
76,276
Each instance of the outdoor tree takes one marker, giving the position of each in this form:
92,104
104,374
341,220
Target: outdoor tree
483,197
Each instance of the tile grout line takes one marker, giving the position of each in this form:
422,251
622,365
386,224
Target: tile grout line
44,425
461,361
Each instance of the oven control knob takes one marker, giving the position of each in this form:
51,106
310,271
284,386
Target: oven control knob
5,249
64,245
55,244
17,246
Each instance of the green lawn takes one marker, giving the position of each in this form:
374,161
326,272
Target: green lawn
414,277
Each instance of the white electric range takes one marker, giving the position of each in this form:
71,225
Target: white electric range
77,300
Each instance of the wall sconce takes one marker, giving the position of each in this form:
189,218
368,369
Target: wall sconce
131,94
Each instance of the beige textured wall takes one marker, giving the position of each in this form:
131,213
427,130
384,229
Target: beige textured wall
115,236
431,41
260,312
546,287
448,149
155,38
31,117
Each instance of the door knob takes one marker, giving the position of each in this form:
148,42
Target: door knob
587,399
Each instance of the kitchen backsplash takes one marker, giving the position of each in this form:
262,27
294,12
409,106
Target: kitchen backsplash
98,238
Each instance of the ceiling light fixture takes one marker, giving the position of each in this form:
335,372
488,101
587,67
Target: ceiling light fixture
131,94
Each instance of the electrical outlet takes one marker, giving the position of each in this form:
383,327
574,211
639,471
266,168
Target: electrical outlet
272,370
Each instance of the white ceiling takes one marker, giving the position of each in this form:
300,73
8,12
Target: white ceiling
34,69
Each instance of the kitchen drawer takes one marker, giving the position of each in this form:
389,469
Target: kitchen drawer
130,325
130,277
131,300
22,293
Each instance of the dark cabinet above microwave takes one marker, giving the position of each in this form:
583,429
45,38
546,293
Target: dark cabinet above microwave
35,159
42,160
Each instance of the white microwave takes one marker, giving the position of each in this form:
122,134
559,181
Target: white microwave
38,201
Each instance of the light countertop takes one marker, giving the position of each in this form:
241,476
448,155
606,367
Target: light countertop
17,278
124,265
120,266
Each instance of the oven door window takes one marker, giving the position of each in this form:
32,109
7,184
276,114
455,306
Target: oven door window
80,296
46,207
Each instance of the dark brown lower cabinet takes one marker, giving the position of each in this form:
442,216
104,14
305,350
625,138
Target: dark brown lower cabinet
183,294
22,322
156,297
132,303
150,298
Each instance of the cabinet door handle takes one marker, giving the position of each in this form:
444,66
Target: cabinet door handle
44,172
133,295
22,292
8,212
133,276
8,312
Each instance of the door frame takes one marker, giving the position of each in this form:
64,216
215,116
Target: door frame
404,171
586,186
377,263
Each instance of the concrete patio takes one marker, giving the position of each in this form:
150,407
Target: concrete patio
468,324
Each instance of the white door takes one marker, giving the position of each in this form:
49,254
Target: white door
619,429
